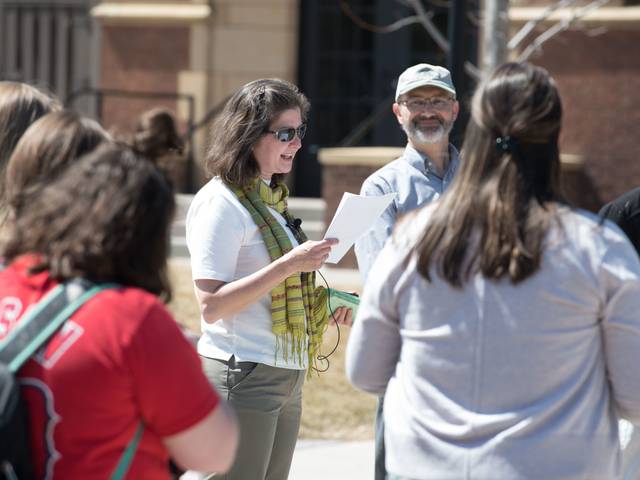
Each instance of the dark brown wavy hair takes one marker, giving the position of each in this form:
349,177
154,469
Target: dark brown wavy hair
505,189
156,134
47,147
106,218
245,117
20,106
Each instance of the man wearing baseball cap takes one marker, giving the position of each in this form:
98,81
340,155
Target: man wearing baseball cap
426,108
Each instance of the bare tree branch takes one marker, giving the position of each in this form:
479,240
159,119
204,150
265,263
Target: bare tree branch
425,20
594,32
403,22
473,19
440,3
532,24
559,27
422,17
473,71
435,3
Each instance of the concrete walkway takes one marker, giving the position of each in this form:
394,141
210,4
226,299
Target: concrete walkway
330,460
324,460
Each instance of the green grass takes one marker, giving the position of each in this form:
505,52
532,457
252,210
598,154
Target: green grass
332,408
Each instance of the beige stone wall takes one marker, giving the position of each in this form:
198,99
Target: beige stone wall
246,40
243,40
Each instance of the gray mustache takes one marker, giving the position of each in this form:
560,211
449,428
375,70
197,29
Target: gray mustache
419,119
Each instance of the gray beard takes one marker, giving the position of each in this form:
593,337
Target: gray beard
427,134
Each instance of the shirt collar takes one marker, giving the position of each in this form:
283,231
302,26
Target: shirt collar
421,161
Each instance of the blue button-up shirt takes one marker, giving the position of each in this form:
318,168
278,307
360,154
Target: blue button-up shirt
415,182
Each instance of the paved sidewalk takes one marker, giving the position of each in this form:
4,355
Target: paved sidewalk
324,460
331,460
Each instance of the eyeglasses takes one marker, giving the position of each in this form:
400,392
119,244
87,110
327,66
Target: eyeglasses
422,104
288,134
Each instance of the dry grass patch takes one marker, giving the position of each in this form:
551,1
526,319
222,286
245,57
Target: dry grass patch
332,409
183,304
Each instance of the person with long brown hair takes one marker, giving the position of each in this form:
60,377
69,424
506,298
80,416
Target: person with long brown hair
20,105
156,138
501,321
253,272
46,149
156,134
119,368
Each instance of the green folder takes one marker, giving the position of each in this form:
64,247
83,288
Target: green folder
338,298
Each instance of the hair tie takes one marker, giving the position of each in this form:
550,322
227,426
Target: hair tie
260,100
505,144
262,91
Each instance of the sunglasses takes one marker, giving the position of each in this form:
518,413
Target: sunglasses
288,134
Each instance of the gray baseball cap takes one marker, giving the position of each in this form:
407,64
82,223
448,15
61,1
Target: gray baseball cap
424,75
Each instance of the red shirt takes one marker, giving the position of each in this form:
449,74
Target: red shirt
119,359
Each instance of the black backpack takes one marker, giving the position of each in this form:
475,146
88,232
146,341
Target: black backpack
33,331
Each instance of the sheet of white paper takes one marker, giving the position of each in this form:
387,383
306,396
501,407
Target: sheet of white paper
354,216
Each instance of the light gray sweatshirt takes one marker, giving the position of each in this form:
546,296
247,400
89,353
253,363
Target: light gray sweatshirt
496,381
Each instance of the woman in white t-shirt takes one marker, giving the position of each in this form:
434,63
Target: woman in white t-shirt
262,319
503,325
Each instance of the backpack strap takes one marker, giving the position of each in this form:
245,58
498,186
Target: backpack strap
44,319
125,460
41,322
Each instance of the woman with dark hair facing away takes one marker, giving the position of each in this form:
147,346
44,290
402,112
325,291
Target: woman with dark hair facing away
120,359
261,316
502,323
156,134
156,138
48,147
20,106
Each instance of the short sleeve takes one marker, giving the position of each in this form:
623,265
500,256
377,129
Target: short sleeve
215,232
171,389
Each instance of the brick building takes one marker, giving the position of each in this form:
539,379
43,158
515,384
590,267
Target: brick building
599,79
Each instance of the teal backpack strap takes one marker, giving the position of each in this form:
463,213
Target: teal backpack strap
41,322
44,319
125,460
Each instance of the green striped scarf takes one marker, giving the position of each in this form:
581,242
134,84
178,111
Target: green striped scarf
297,297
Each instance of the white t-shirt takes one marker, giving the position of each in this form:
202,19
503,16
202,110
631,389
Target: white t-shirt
225,244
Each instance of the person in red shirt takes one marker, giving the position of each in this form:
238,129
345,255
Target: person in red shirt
121,358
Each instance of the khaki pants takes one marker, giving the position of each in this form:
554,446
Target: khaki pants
268,403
